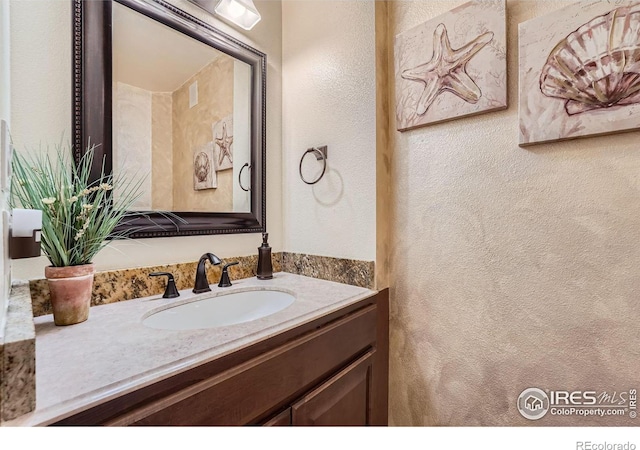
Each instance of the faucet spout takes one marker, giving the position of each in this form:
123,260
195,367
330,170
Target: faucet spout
202,284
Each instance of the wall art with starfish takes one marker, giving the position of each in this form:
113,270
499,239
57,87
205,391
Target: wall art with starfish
452,66
223,139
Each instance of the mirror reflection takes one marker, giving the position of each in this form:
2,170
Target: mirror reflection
181,118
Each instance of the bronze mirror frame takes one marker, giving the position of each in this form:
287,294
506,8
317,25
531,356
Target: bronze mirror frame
92,115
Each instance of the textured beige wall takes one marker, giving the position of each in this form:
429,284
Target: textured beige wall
162,151
5,62
5,92
511,268
192,128
329,74
40,72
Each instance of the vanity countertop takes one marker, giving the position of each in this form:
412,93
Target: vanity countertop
113,353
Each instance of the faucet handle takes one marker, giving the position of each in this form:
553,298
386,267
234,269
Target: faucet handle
224,277
171,291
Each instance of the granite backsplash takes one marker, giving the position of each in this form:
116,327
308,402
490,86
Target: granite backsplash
347,271
126,284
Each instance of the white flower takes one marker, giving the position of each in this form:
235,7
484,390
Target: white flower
87,207
73,199
49,200
106,186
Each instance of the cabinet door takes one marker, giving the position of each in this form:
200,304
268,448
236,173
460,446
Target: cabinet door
344,399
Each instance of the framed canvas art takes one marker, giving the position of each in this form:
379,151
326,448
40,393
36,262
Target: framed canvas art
223,140
452,66
204,170
579,72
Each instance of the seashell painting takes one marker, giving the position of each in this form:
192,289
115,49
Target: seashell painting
204,173
452,66
580,72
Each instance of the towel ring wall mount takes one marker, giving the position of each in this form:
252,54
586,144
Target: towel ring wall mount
321,155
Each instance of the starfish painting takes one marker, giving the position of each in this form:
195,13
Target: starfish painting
446,71
224,143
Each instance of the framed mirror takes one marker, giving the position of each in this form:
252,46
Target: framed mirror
169,98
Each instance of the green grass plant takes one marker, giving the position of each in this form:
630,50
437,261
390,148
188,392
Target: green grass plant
79,215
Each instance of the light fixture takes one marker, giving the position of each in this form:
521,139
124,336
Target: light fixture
239,12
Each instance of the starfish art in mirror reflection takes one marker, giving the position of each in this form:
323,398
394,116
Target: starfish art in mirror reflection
446,71
224,142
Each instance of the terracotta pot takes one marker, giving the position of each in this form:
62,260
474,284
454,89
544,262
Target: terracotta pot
70,289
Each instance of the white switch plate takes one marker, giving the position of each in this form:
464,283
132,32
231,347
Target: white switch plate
6,152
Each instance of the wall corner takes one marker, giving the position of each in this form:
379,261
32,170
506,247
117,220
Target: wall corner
383,149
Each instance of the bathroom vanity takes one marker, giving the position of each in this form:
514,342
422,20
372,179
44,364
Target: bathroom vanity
322,360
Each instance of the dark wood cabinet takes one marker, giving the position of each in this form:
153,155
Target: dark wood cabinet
331,371
344,399
282,419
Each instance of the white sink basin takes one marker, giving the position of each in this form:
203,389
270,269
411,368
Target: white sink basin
227,309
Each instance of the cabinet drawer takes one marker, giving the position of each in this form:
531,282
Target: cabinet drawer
250,390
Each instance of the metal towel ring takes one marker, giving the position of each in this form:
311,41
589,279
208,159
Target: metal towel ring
321,155
240,177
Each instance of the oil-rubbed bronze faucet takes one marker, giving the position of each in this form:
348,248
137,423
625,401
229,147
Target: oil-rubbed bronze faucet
202,284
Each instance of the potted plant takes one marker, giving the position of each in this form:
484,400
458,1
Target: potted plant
79,215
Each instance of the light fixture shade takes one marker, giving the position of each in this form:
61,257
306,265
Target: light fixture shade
241,12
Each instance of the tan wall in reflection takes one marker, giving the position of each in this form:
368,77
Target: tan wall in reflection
192,128
162,150
132,140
